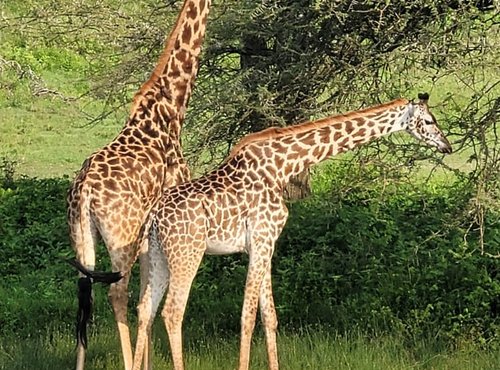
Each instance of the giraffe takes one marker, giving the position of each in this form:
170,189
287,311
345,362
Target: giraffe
239,207
118,184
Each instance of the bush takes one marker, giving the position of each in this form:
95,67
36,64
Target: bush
33,225
402,264
397,259
38,288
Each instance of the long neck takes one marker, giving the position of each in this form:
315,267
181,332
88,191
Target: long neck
292,149
162,100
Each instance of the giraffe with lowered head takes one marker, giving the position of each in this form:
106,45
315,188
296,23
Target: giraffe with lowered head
239,207
118,184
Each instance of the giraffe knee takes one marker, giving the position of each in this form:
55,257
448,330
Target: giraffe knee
118,297
172,318
271,323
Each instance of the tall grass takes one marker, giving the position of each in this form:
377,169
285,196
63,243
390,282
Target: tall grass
307,350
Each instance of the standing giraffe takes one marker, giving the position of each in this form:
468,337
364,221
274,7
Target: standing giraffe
239,208
118,184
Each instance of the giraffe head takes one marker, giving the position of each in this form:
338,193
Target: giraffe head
422,124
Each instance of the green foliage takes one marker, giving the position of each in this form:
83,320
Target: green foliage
7,171
33,239
379,258
37,289
397,264
44,58
32,224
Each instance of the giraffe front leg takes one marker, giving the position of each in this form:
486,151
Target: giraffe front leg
269,318
182,273
260,262
123,255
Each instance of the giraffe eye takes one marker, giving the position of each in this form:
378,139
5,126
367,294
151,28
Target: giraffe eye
428,122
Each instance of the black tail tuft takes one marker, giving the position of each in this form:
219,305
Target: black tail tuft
84,309
85,296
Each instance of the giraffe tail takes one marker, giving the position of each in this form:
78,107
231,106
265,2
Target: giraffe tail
85,296
82,233
96,276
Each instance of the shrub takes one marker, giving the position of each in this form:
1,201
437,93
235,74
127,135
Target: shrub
33,225
377,261
392,260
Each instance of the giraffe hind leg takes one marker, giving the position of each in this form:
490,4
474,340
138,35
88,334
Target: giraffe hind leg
83,239
123,255
154,282
269,319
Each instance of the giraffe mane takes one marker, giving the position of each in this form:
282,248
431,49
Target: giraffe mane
162,61
277,132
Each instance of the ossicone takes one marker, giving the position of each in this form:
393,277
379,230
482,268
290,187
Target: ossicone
423,97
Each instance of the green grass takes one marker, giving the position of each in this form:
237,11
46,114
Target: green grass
309,350
50,138
48,134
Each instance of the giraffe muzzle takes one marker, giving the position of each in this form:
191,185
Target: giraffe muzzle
444,146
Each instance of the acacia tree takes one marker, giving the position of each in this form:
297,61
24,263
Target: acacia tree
281,62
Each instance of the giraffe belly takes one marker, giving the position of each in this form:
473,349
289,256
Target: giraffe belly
227,246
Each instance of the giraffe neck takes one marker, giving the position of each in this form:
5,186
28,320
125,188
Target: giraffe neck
161,102
286,152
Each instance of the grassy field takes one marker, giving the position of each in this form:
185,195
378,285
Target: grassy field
315,350
50,140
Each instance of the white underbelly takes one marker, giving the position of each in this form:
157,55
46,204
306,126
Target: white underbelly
228,246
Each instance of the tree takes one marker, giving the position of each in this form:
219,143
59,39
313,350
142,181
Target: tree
281,62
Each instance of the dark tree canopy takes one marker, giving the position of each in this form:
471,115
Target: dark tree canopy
287,61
